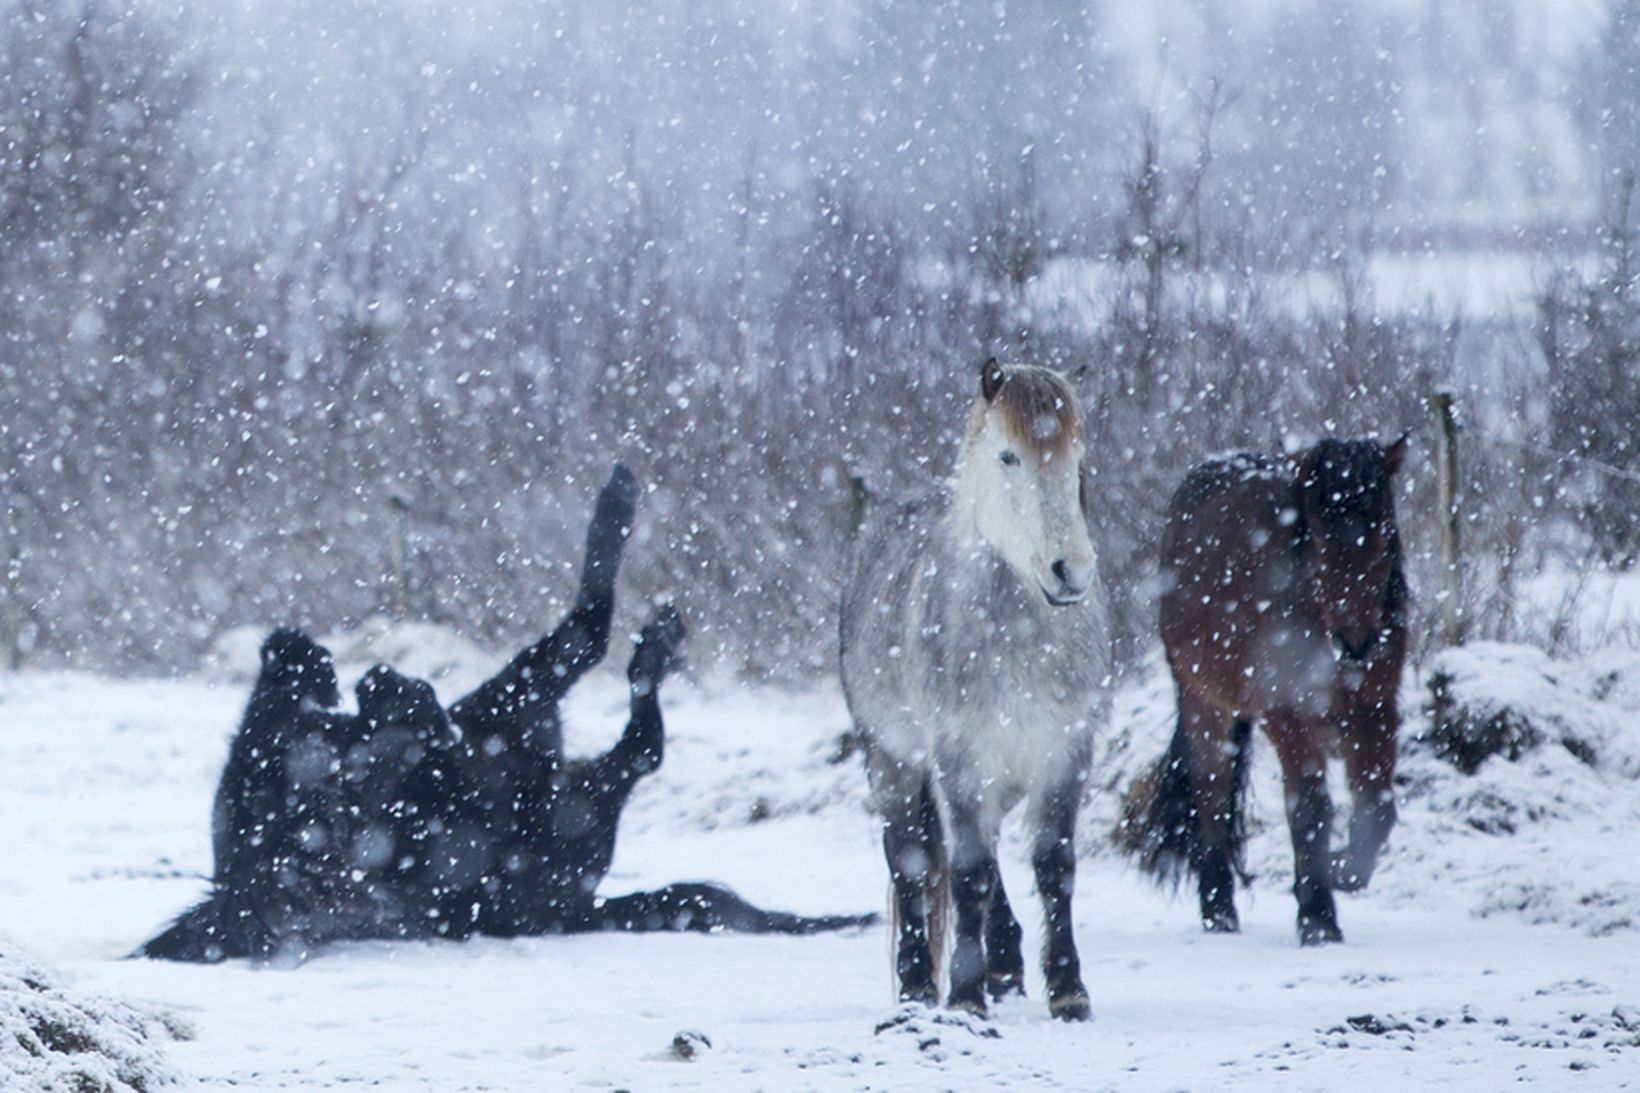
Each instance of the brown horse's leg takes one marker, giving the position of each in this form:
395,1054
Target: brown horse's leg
1208,734
1309,817
1369,732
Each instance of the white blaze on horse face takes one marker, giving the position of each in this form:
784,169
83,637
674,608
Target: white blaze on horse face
1027,506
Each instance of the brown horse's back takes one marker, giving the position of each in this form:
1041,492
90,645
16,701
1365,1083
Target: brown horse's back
1235,621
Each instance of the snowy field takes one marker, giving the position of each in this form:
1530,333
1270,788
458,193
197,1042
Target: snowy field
1499,945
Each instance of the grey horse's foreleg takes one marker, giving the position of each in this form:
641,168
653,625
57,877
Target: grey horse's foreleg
973,880
914,849
1004,958
1053,856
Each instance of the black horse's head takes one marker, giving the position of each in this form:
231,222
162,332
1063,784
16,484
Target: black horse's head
297,667
1347,505
387,698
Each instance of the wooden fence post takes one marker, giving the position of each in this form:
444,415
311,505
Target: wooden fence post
401,561
13,584
858,498
1446,514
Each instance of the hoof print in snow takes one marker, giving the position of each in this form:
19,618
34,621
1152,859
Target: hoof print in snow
925,1025
690,1044
1377,1026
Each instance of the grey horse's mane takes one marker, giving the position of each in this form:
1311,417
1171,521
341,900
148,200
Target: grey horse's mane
1039,409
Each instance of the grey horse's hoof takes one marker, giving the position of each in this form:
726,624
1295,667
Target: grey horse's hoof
1072,1007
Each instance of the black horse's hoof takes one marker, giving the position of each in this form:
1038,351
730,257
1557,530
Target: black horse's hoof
619,497
606,537
1072,1007
657,652
1222,922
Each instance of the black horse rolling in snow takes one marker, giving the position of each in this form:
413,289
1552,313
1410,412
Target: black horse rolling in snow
326,825
409,821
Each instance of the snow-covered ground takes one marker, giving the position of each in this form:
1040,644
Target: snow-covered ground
1500,943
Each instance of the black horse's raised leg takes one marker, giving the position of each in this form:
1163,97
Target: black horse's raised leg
297,675
1053,855
520,702
587,812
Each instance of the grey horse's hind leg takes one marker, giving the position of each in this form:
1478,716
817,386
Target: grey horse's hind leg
913,844
1053,855
1004,960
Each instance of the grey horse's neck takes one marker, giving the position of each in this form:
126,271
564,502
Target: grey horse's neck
978,577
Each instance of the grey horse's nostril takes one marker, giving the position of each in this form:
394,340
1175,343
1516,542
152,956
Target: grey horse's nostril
1062,572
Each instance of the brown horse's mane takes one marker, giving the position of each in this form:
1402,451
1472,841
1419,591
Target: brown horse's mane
1350,477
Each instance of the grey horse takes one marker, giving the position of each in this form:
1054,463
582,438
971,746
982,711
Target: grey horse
976,662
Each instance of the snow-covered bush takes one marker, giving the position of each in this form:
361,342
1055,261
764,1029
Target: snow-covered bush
57,1040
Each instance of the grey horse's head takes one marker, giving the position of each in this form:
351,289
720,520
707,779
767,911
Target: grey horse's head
1019,481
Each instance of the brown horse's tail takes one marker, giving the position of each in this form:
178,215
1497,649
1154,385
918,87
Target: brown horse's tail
1160,824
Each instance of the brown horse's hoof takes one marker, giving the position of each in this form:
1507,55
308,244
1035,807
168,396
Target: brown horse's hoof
973,1007
1313,934
1071,1007
1346,879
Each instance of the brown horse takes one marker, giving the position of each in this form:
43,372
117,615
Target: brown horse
1283,601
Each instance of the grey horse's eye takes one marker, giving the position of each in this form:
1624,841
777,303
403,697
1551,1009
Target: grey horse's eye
1009,459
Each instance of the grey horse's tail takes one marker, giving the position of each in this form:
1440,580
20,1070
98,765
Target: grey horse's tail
1160,824
938,885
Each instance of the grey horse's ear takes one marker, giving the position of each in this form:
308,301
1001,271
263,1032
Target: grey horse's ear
1396,452
991,377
